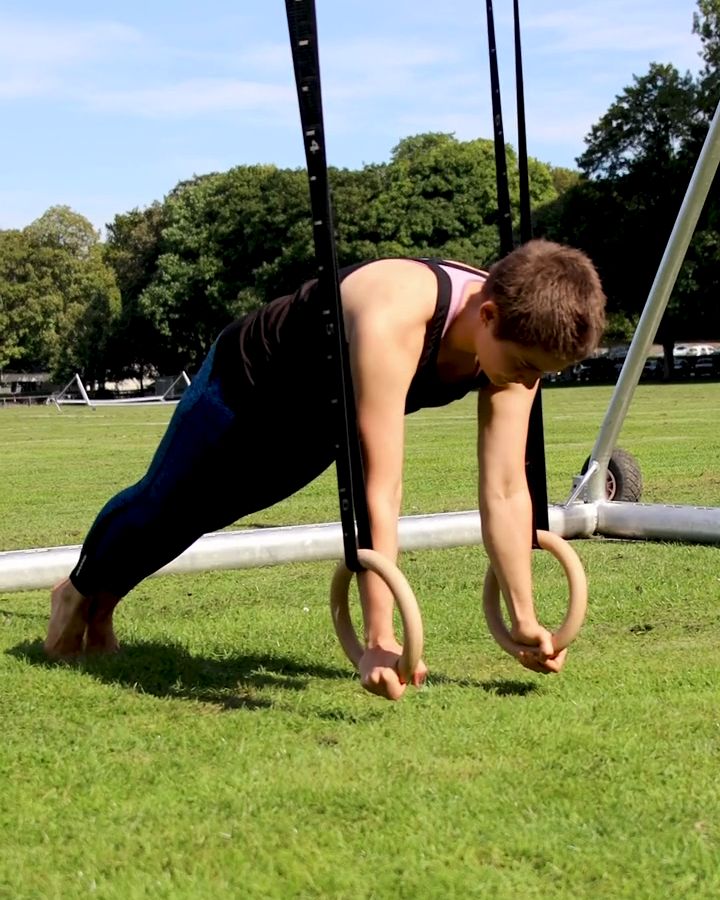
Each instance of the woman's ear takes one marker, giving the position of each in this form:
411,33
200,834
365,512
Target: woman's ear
488,314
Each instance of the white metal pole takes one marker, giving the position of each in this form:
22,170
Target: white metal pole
181,377
23,570
83,392
655,522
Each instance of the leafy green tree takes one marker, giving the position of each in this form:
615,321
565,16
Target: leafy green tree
706,24
61,228
647,125
29,305
619,328
563,179
356,193
82,298
440,197
636,167
131,250
229,242
91,305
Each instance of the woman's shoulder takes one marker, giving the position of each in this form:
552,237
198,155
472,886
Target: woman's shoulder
391,277
401,290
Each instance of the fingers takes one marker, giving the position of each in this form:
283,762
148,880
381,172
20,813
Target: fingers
537,661
384,682
419,676
545,645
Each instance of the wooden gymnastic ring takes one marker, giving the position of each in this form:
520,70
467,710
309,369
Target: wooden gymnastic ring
577,603
404,599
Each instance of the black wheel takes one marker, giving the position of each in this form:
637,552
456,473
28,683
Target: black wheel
624,479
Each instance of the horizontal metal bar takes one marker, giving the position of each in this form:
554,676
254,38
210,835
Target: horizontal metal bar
694,524
25,570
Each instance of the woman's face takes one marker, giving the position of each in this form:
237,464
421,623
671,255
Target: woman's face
506,362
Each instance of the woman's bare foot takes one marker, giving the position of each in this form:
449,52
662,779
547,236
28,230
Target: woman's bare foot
68,620
100,637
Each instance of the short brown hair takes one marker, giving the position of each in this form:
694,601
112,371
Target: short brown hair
548,296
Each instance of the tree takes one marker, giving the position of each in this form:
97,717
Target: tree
706,24
228,243
131,251
440,197
359,229
60,228
29,305
648,124
78,295
637,166
563,179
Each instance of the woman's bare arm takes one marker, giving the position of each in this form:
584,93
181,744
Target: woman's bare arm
506,512
387,306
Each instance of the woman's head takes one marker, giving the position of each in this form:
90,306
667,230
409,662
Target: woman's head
548,296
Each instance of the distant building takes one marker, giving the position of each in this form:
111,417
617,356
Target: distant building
21,385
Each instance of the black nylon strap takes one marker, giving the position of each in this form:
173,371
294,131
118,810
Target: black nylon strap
523,169
535,448
302,26
501,175
535,469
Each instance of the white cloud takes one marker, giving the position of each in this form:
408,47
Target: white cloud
615,28
195,97
18,86
351,71
27,45
356,67
364,55
36,59
379,68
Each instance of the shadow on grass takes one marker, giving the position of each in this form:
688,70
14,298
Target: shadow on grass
231,682
498,686
170,670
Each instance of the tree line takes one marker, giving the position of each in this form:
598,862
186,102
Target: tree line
153,295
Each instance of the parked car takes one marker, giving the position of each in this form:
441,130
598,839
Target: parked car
581,372
601,369
693,350
653,369
705,367
701,350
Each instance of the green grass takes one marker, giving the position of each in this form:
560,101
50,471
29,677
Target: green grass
229,751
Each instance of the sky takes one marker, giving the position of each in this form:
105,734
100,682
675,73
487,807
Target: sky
105,108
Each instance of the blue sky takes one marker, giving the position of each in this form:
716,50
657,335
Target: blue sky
107,108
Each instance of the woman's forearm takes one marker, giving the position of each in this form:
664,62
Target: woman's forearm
507,535
376,599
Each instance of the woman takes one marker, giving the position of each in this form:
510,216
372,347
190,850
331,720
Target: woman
255,426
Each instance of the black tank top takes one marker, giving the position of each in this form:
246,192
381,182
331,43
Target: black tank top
276,354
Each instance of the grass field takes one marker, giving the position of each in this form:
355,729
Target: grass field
228,750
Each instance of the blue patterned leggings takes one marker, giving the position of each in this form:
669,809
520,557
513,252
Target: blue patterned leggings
213,466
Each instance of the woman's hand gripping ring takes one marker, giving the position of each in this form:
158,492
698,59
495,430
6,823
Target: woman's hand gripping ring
577,603
404,600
